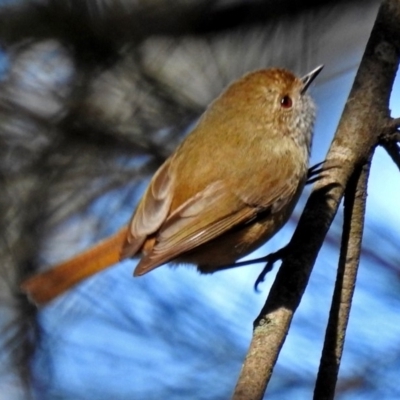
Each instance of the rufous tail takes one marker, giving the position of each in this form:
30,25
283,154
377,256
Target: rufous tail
45,286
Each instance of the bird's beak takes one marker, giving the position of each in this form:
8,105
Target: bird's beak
307,79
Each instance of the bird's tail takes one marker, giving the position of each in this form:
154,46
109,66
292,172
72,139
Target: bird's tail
45,286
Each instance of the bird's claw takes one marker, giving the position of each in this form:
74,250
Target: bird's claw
314,172
270,259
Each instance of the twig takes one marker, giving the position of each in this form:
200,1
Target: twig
394,152
354,214
363,119
391,131
395,124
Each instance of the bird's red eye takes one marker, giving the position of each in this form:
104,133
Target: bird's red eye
286,102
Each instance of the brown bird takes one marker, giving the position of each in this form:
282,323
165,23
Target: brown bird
228,188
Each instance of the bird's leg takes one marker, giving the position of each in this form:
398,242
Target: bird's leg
313,175
270,259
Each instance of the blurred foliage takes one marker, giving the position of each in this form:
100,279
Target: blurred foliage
94,95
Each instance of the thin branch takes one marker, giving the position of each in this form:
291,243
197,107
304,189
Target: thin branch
394,152
353,226
395,124
390,132
358,133
395,137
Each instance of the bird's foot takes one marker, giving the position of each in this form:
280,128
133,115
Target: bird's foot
314,173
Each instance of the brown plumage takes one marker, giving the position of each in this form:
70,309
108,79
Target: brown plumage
229,187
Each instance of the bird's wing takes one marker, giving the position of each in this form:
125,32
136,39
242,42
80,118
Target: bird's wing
151,212
202,218
273,190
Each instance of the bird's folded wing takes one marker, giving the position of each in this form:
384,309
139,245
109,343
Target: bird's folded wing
202,218
151,212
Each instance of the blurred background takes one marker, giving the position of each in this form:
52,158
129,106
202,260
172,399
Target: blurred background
94,95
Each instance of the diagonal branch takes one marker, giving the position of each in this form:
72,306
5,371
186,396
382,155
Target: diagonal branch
354,214
365,115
